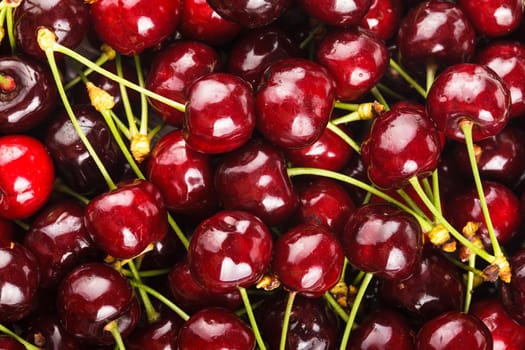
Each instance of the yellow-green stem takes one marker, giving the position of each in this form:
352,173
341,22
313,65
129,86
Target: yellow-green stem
436,193
251,318
379,97
143,100
344,136
286,319
25,343
408,78
470,283
99,62
132,126
151,313
112,327
162,299
351,107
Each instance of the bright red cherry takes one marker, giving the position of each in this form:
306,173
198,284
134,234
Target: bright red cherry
493,18
343,13
26,176
250,14
382,18
131,26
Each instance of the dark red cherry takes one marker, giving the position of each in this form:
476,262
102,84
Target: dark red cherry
191,192
172,72
383,329
356,59
384,240
313,324
340,13
32,98
45,331
8,343
215,329
356,169
308,259
493,18
160,335
59,241
200,22
294,104
220,113
504,209
19,278
507,59
513,293
7,232
469,92
230,249
254,179
76,167
131,26
124,221
68,19
435,32
250,14
454,330
26,176
382,18
402,143
93,295
506,333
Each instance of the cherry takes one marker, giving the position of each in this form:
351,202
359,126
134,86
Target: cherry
26,176
131,26
384,240
308,259
356,59
512,294
402,143
45,330
469,92
294,104
453,330
59,16
7,232
215,329
124,221
249,14
493,18
90,297
19,278
382,18
254,179
337,12
220,115
228,250
161,335
506,333
174,69
8,343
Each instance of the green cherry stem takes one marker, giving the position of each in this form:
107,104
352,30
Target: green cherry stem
427,188
470,283
172,306
143,100
335,306
412,204
63,188
379,96
431,75
466,127
132,126
251,318
408,78
311,36
151,313
146,273
106,55
286,319
121,126
391,92
364,111
355,306
112,327
351,107
18,338
10,29
344,136
436,193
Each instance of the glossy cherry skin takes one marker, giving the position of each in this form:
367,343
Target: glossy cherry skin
93,295
131,26
402,143
434,288
26,176
383,329
337,12
7,232
33,98
8,343
493,18
124,221
228,250
506,333
172,72
257,49
45,330
507,59
254,179
19,278
249,14
200,22
160,335
76,167
384,240
313,325
513,293
356,59
220,113
470,92
294,104
454,330
68,19
382,18
308,259
435,32
215,329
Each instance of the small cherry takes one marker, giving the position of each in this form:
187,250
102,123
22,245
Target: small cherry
493,18
249,14
383,18
339,13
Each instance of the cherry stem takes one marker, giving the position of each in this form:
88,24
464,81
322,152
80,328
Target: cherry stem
122,128
60,87
347,118
412,204
310,36
151,313
143,100
379,97
112,327
431,75
132,126
251,318
335,306
466,127
470,283
63,188
147,273
436,193
344,136
286,319
19,339
408,78
172,306
10,29
427,188
104,57
7,83
355,306
351,107
425,225
439,217
391,92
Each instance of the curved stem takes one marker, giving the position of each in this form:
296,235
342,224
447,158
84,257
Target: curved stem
408,78
344,136
151,313
251,318
25,343
286,319
162,299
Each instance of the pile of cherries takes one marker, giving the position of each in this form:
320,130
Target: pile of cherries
274,174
